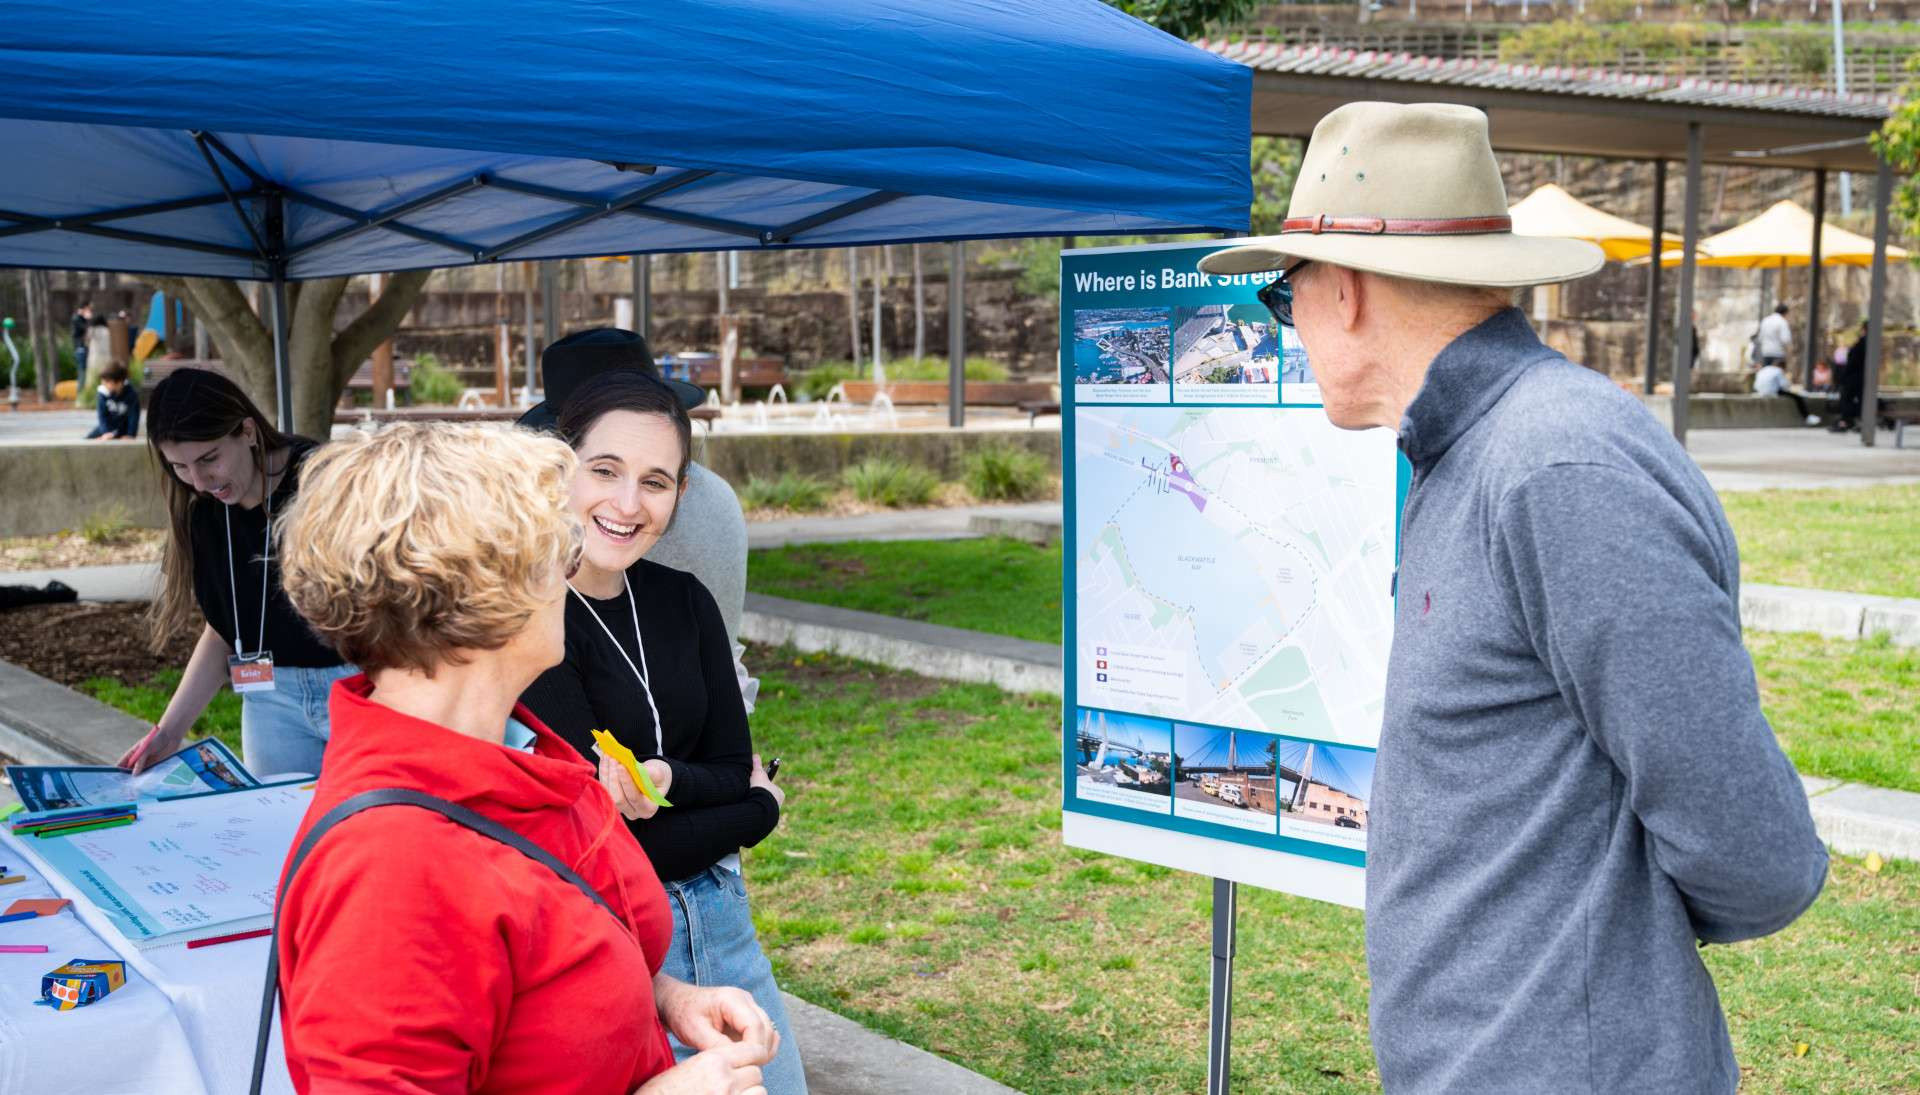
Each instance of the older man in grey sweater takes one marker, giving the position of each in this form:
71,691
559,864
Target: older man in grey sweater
1575,787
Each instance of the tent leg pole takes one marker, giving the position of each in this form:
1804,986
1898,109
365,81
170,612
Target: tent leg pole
1683,309
957,336
643,296
282,360
1653,271
1814,326
1876,305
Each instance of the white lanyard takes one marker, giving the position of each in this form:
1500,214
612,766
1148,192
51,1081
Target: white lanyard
266,564
639,671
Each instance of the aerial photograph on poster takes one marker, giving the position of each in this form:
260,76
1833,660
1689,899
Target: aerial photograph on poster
1226,777
1297,384
1121,354
1324,790
1123,760
1225,353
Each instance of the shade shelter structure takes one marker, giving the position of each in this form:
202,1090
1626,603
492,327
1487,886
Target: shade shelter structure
1551,211
280,140
1589,112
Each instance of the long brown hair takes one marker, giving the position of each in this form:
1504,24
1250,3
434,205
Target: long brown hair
194,405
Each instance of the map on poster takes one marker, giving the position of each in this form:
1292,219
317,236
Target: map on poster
189,866
1230,557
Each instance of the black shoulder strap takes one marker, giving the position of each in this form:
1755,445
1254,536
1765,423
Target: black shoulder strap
367,800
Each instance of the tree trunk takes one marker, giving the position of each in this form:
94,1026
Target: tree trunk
46,352
320,361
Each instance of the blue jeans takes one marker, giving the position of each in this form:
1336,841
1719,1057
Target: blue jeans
285,730
714,944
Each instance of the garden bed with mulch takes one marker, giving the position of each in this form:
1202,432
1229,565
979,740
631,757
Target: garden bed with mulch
73,642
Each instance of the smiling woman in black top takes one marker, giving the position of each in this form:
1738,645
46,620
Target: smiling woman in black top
648,660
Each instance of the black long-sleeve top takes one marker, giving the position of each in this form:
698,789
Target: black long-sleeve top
704,737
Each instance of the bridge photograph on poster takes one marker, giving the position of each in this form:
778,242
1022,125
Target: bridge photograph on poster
1124,760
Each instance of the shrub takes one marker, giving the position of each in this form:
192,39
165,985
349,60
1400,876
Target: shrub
790,491
1004,473
108,525
936,368
816,382
434,382
888,482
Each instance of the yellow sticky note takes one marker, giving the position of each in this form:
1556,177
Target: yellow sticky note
634,768
1800,1049
1874,863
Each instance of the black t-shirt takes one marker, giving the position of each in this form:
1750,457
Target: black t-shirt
288,638
703,723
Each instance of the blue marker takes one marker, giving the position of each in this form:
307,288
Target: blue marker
18,916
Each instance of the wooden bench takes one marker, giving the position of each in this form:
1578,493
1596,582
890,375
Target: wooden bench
748,372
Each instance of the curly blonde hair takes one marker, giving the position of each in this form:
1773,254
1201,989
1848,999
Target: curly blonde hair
408,546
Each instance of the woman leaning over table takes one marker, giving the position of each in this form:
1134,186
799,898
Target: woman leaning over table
648,660
416,954
226,472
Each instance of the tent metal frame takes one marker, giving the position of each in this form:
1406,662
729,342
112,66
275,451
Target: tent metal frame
266,225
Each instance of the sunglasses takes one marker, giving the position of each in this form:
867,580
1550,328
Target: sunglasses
1278,294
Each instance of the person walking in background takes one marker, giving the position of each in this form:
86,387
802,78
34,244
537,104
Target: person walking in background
118,408
1775,338
1554,535
82,323
1852,384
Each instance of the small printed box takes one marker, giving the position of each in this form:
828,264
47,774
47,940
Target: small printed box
81,982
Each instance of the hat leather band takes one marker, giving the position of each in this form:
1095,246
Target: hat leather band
1320,223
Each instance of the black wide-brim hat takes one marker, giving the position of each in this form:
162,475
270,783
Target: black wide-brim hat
583,355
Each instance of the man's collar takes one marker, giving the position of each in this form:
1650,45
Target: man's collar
1466,380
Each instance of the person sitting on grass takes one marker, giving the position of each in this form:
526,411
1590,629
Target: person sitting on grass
423,953
118,406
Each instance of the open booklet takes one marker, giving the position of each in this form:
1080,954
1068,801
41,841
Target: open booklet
197,769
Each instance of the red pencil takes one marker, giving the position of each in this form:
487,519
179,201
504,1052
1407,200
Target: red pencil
234,938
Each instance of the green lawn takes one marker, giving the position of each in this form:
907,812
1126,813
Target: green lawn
918,884
1003,586
148,702
1860,539
1841,709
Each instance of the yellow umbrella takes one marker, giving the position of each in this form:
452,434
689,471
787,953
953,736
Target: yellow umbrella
1783,236
1551,211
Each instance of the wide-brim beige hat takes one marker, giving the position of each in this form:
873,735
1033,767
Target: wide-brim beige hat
1410,191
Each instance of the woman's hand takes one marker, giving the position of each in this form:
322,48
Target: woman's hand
732,1069
157,745
710,1018
627,798
758,778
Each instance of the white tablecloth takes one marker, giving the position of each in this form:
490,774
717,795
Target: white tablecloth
184,1022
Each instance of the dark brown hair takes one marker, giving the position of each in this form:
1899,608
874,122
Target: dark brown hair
194,405
625,390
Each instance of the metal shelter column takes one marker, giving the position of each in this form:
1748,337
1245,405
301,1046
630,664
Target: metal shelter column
276,246
643,296
1876,304
1814,326
549,292
1683,308
1653,270
957,335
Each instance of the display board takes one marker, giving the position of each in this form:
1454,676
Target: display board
192,866
1229,581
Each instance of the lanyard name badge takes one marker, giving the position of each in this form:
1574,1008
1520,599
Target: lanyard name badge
250,672
639,671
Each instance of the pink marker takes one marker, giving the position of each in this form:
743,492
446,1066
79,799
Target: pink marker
22,948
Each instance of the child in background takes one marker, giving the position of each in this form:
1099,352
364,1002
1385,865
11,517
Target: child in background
118,406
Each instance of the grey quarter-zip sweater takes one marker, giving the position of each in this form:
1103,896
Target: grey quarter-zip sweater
1575,782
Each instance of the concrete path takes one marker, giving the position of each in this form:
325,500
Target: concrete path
122,582
919,524
1802,459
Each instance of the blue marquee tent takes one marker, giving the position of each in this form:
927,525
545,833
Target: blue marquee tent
291,139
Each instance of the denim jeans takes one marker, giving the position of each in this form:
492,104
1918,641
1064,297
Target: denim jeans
714,944
285,730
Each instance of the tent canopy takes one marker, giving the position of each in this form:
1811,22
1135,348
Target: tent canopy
1783,236
1551,211
304,139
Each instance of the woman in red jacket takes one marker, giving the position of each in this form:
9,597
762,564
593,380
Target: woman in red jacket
417,955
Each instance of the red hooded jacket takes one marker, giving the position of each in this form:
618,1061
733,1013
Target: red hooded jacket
419,956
